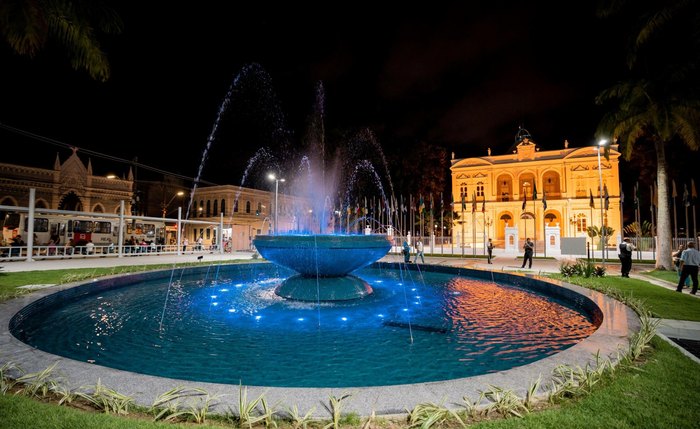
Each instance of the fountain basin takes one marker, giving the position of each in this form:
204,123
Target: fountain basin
323,255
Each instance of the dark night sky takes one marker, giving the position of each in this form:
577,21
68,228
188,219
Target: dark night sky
462,77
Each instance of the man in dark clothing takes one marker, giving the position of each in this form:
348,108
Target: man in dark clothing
528,247
626,248
690,259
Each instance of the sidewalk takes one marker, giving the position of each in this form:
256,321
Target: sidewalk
676,329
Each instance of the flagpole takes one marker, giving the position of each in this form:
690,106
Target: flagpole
651,208
534,225
686,200
461,241
622,212
674,194
474,224
442,234
693,201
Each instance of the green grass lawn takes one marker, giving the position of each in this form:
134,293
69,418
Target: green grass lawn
661,391
663,303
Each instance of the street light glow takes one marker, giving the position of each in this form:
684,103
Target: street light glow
601,143
277,181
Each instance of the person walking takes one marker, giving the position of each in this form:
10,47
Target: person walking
690,260
489,249
527,257
419,251
626,248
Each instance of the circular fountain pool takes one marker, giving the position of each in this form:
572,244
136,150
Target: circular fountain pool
225,324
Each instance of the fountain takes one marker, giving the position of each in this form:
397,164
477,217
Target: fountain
236,324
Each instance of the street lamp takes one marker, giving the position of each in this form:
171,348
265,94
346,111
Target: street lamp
601,143
164,205
271,176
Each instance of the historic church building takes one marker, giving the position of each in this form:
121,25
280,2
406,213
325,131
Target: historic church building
545,195
70,185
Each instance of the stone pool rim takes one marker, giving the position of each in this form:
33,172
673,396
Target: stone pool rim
616,323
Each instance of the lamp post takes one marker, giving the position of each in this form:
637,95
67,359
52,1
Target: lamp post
277,184
164,205
601,143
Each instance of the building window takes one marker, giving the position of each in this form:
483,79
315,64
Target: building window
208,208
235,206
480,189
223,207
247,206
216,208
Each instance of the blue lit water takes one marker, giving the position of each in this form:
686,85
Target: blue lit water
415,327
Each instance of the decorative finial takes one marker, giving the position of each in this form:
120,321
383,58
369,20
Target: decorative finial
566,144
489,151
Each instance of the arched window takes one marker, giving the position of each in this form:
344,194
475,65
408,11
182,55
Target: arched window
201,208
223,207
216,208
208,208
463,195
235,206
247,206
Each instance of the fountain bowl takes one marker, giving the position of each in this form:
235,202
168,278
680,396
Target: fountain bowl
323,255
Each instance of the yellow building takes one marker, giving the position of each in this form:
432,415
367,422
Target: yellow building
489,193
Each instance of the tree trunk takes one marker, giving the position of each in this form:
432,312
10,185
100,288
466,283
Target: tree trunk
663,226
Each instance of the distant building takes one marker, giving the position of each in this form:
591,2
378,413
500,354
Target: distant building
70,185
500,184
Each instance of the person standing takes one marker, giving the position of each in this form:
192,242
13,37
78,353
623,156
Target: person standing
185,243
690,260
677,262
419,251
626,248
527,257
489,249
406,252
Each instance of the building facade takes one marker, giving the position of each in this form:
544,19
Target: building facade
69,185
494,194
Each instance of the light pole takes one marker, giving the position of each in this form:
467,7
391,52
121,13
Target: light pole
165,205
601,143
271,176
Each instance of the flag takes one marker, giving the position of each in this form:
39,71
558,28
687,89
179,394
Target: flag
686,200
534,191
473,202
483,205
421,204
636,195
544,200
591,203
606,196
524,200
674,194
693,193
464,202
622,195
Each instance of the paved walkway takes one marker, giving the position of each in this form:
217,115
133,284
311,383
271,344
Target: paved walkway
680,329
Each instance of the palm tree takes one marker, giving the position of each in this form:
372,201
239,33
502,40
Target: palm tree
27,26
652,114
659,105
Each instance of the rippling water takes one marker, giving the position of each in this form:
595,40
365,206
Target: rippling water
413,328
